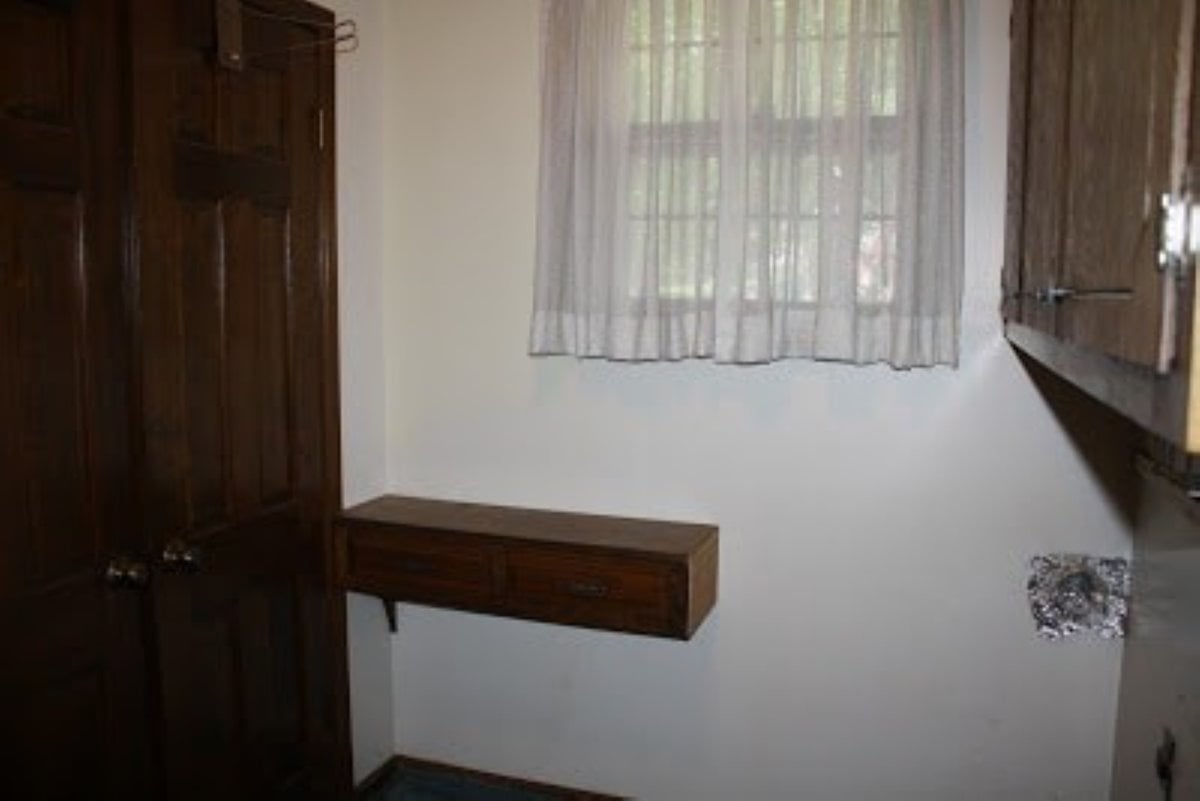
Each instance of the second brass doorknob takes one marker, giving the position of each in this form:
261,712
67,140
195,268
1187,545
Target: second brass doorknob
179,557
127,572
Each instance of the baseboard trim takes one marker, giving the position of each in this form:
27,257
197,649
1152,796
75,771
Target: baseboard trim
378,777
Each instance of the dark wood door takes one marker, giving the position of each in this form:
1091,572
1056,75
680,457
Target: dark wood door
231,179
73,687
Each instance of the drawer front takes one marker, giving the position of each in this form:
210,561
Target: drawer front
424,567
592,590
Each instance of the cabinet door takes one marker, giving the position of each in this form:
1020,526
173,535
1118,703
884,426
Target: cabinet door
1122,92
236,296
74,711
1041,56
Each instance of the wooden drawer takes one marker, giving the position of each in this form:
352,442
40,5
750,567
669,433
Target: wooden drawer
640,576
598,591
421,566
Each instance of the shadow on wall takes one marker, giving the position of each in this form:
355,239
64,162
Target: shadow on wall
1106,441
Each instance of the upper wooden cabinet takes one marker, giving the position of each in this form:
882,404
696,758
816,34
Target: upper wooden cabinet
1100,132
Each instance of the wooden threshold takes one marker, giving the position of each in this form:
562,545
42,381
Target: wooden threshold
379,777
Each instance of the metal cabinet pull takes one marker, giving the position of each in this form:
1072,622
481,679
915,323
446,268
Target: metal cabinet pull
587,589
1054,295
1057,294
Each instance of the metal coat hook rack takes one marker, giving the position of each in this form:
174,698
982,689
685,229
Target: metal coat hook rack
341,35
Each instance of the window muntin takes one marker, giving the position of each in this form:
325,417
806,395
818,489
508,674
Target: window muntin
675,141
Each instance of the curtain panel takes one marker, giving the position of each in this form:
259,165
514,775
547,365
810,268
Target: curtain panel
751,180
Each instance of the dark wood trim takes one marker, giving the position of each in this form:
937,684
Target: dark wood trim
41,155
206,173
1155,402
300,10
343,768
626,535
389,611
57,5
377,778
1018,103
381,775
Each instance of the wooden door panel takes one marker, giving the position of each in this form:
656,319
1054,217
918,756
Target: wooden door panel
1049,36
49,655
256,254
1014,203
14,534
235,294
274,402
237,726
58,694
200,705
243,288
205,391
46,292
197,98
254,111
35,63
62,722
41,155
236,386
73,680
1123,76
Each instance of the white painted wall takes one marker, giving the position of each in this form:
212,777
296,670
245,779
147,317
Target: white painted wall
872,639
362,216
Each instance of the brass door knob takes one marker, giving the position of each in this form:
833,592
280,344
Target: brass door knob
179,557
127,573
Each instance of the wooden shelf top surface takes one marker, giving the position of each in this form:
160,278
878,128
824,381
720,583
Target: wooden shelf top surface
572,528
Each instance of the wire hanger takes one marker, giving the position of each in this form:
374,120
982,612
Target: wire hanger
342,35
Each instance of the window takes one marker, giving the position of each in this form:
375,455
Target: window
751,180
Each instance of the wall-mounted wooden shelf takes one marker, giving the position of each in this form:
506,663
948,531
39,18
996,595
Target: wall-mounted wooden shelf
620,574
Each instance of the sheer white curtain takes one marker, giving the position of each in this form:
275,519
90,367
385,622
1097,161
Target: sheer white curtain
751,180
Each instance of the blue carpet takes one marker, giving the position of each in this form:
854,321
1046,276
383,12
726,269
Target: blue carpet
419,783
